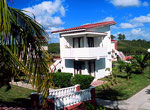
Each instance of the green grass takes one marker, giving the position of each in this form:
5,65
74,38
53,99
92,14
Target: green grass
15,96
124,89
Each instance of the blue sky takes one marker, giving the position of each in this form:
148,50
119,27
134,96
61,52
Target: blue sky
132,16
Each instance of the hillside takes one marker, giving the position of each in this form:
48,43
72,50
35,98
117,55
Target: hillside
54,48
133,47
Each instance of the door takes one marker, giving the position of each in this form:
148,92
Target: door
79,67
91,67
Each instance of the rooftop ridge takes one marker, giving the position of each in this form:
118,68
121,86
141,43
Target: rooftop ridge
87,26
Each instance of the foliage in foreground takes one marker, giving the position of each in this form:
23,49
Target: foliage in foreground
21,40
83,80
62,79
91,107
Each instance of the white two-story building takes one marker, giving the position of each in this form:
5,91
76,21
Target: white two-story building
86,49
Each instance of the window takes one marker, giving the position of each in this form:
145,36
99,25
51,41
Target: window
90,41
78,42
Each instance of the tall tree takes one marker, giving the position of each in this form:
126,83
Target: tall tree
121,37
21,48
112,37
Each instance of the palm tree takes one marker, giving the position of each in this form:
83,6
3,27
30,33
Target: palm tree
21,48
142,61
128,69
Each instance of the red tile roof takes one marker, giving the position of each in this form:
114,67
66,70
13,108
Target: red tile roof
88,26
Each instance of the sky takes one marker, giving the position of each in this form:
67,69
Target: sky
132,16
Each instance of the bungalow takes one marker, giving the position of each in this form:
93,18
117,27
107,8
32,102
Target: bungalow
87,49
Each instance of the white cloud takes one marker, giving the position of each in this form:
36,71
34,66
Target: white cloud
138,33
141,19
108,19
48,13
128,3
126,25
136,22
129,25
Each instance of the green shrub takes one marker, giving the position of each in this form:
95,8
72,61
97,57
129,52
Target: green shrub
62,79
83,80
89,106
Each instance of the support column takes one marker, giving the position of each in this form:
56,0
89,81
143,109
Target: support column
85,41
93,99
51,103
77,87
35,100
86,68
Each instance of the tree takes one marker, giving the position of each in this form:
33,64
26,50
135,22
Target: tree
113,37
121,37
141,62
128,69
121,65
21,48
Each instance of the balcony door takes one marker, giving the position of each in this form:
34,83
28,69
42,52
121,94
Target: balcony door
79,67
90,41
78,42
91,67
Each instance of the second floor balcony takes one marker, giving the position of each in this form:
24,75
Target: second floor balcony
84,53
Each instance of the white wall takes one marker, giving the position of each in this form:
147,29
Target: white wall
106,43
101,64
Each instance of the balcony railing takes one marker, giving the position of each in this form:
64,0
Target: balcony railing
84,53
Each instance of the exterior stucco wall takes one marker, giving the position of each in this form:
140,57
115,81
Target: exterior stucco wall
100,41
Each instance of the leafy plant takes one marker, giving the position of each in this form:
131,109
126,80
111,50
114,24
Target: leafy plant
141,62
21,40
128,69
121,65
83,80
62,79
89,106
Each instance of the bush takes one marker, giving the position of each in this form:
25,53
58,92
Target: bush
62,79
83,80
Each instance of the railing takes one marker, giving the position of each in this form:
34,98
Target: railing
72,98
63,91
83,53
64,98
56,65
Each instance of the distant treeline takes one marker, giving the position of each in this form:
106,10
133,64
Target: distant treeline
133,47
54,48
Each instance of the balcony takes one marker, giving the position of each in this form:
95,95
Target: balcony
84,53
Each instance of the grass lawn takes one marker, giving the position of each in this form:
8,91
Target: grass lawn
124,89
18,96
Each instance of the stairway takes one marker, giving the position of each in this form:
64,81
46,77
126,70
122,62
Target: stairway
56,65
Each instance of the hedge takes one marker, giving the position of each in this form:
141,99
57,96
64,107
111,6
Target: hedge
83,80
61,79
